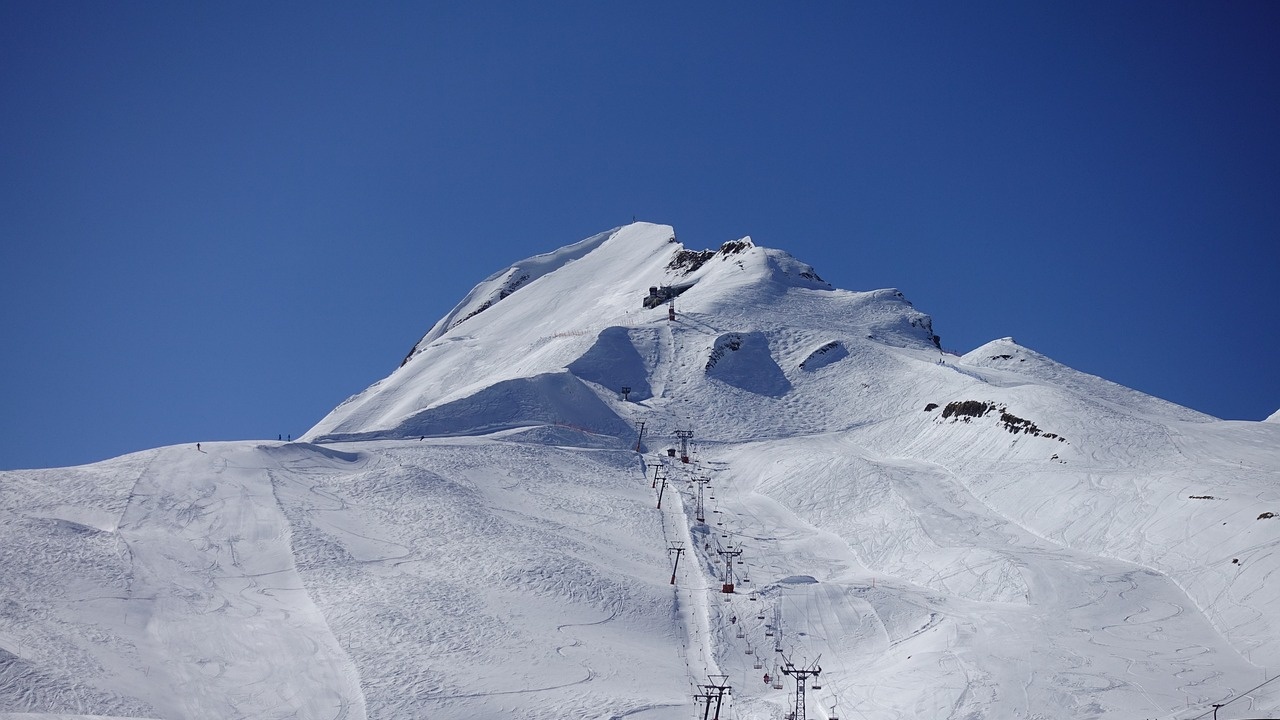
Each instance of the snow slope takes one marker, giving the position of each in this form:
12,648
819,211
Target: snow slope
990,535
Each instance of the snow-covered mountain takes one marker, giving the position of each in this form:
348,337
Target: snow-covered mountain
992,535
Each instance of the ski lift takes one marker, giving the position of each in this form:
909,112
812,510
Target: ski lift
740,633
757,664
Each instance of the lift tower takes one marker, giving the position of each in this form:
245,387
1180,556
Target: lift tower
714,692
801,674
702,483
678,549
728,555
685,436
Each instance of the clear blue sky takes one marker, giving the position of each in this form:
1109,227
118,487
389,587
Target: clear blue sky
218,220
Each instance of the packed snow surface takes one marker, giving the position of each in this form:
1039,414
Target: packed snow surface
992,535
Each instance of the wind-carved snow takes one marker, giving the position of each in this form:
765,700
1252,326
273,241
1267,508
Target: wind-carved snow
502,284
614,362
475,535
557,399
828,353
743,360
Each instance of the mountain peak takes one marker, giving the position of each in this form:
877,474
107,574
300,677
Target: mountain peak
631,259
540,317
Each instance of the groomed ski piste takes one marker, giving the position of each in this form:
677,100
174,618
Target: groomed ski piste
918,534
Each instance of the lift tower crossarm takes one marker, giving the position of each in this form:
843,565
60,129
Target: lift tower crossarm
678,549
715,690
